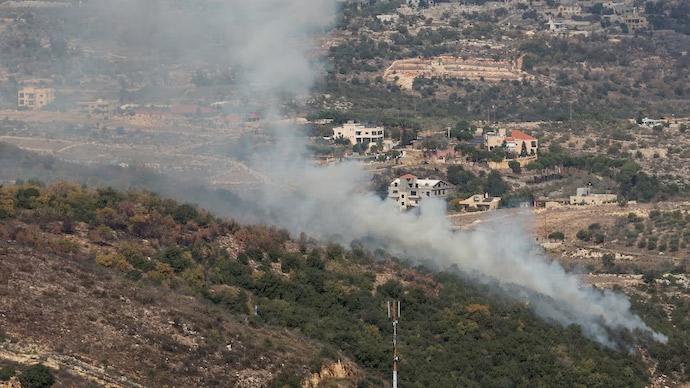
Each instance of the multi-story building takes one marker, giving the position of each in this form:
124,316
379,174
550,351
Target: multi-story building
408,191
358,133
635,22
34,98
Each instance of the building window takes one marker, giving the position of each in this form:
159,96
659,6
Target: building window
427,194
413,193
396,184
402,195
402,203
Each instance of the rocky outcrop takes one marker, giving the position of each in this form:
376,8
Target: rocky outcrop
342,374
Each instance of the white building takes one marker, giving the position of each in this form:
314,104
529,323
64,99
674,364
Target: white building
584,196
358,133
408,191
651,123
388,18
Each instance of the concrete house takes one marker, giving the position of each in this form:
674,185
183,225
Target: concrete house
34,98
517,142
480,202
408,191
584,196
358,133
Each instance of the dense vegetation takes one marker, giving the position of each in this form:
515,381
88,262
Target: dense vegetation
452,333
634,184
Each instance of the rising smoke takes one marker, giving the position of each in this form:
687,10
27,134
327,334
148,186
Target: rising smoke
332,202
270,40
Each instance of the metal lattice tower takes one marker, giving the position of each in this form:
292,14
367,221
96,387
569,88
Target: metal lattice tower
394,314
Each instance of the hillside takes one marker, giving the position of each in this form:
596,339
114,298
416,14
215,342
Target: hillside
144,290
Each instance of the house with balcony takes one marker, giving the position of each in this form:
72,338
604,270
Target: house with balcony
358,133
408,191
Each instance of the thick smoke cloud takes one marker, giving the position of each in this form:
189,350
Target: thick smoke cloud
269,39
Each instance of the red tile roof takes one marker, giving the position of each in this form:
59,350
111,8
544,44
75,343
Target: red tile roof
408,176
519,135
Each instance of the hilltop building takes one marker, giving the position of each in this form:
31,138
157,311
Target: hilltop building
408,191
34,98
358,133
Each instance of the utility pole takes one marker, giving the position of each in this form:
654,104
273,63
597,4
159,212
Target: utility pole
394,315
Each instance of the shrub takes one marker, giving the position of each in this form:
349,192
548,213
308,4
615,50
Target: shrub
557,235
290,261
515,166
37,376
178,258
584,235
6,373
25,197
185,213
607,260
599,238
112,260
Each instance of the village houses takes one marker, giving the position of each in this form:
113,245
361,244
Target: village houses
408,190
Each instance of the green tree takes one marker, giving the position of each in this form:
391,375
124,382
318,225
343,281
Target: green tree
462,131
495,185
584,235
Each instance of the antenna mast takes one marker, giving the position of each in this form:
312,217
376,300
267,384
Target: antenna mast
394,314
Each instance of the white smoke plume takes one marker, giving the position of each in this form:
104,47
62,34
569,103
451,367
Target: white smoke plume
332,203
270,39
